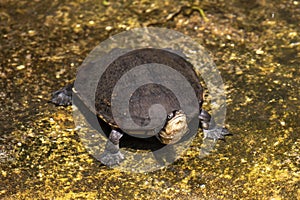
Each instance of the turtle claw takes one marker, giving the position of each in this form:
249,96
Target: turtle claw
62,97
216,133
111,159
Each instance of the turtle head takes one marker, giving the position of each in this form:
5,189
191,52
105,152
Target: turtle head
175,128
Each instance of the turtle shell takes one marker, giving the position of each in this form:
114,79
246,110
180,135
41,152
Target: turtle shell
147,94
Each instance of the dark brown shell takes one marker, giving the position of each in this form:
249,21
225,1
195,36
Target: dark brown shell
148,94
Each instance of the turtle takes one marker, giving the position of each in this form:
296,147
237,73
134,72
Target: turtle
174,126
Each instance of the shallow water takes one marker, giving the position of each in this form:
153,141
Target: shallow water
256,47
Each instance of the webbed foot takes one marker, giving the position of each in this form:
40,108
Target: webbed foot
62,97
111,159
216,133
112,155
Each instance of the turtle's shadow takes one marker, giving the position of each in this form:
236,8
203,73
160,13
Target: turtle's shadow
152,144
127,141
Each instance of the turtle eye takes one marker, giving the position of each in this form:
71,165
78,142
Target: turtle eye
170,116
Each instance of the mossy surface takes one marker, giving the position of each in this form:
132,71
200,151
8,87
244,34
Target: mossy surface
256,47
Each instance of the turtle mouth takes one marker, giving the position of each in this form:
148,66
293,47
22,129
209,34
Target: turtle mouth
169,139
174,129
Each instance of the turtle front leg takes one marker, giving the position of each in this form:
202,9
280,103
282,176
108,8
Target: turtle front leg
210,129
112,155
63,97
204,119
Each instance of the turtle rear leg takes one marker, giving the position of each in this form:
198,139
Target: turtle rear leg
112,155
63,97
